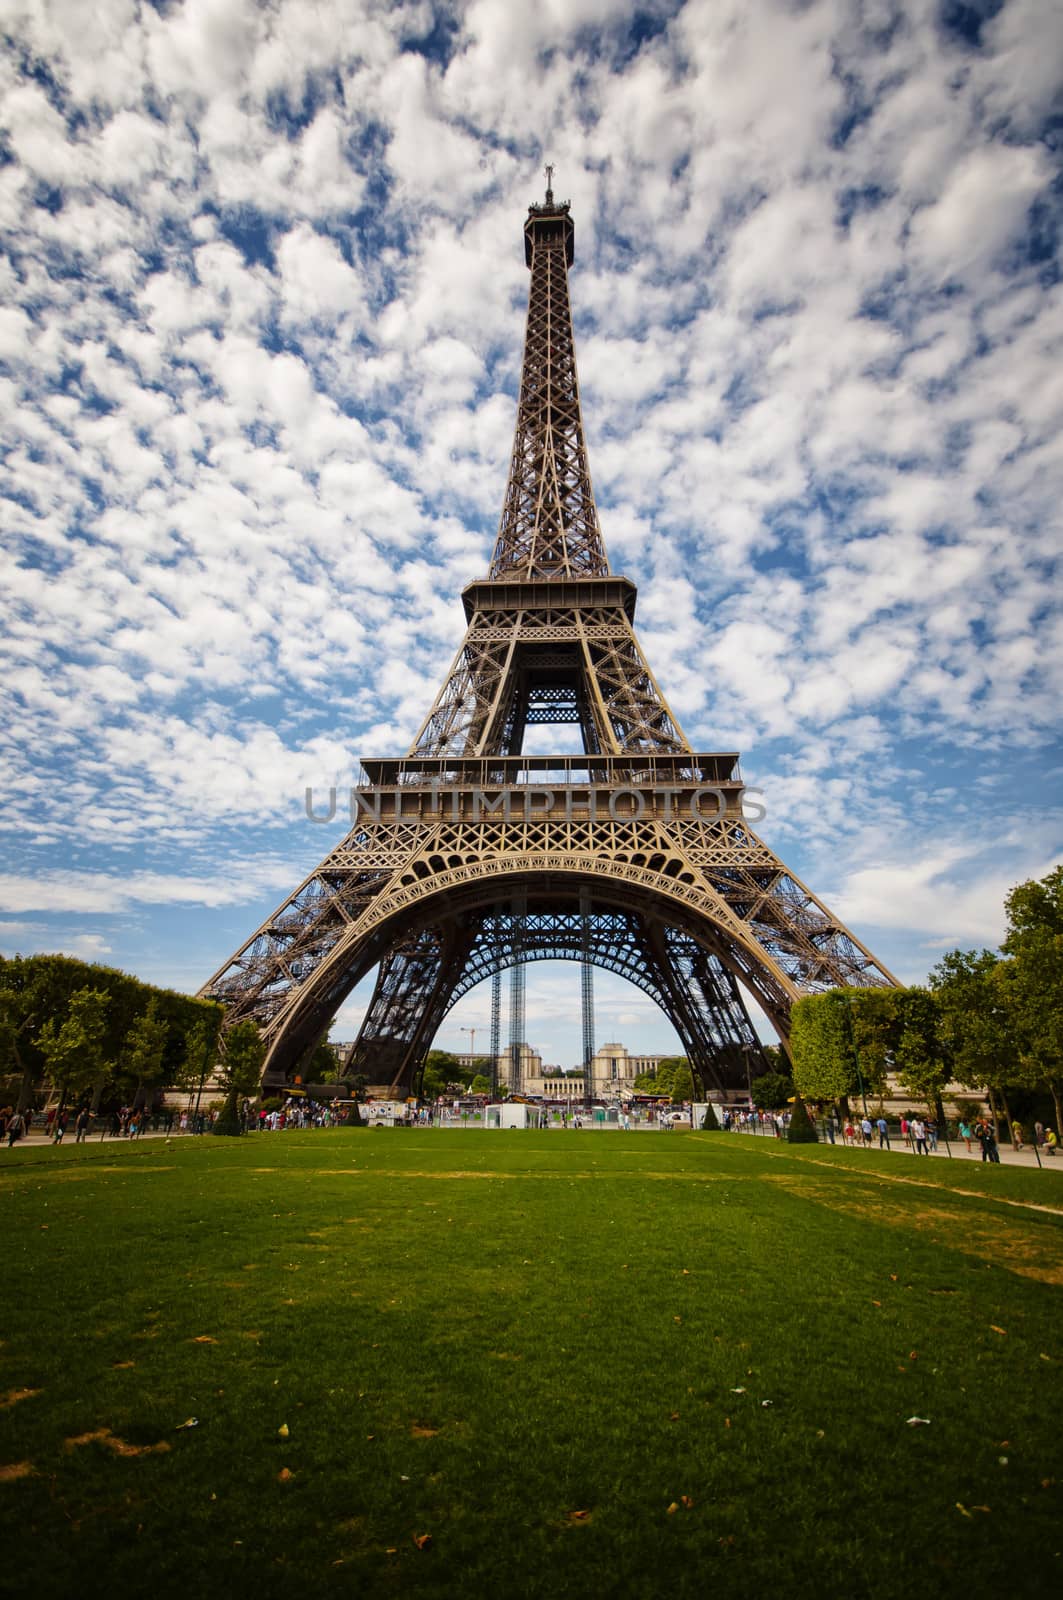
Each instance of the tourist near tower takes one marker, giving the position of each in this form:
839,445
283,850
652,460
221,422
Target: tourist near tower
466,858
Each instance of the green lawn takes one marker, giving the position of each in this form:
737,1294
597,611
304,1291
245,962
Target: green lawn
584,1364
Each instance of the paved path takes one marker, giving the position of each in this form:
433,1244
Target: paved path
1008,1157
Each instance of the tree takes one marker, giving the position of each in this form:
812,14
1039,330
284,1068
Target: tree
439,1072
924,1064
647,1083
481,1084
821,1044
843,1041
682,1082
240,1070
876,1017
72,1048
1034,988
145,1048
323,1065
201,1049
35,990
663,1079
771,1091
710,1123
975,1023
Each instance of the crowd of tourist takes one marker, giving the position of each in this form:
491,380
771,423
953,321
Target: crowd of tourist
916,1132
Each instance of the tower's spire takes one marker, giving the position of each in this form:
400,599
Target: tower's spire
549,526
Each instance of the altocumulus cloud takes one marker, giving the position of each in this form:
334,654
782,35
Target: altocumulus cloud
261,301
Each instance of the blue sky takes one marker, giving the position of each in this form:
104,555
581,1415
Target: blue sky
261,306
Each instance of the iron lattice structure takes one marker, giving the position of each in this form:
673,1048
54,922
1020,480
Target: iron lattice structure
467,858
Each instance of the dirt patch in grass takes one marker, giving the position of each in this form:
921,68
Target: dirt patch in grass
13,1396
1005,1241
120,1447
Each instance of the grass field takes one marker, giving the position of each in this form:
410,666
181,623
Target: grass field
583,1364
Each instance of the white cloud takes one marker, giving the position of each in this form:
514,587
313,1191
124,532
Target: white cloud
263,291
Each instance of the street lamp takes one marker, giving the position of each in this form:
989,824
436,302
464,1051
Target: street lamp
472,1047
852,1045
747,1051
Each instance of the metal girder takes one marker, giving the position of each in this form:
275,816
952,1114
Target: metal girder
422,888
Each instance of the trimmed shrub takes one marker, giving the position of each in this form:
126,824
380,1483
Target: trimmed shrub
802,1129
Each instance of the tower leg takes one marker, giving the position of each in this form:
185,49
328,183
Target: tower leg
587,995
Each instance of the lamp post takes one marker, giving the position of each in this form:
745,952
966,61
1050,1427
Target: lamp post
747,1051
472,1048
852,1045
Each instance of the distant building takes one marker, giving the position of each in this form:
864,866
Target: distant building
530,1068
614,1070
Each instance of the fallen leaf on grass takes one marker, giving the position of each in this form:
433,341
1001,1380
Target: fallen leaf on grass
918,1422
673,1508
579,1516
15,1470
104,1436
674,1416
422,1540
738,1391
121,1366
190,1422
994,1329
684,1499
285,1475
420,1432
13,1396
964,1511
204,1338
283,1431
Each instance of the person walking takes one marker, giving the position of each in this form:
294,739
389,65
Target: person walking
865,1129
16,1127
81,1125
919,1136
1016,1135
988,1142
883,1133
965,1134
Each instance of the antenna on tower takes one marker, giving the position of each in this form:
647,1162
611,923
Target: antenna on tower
549,185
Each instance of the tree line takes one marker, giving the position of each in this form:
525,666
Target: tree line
93,1032
989,1020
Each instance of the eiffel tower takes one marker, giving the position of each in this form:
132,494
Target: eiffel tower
466,857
